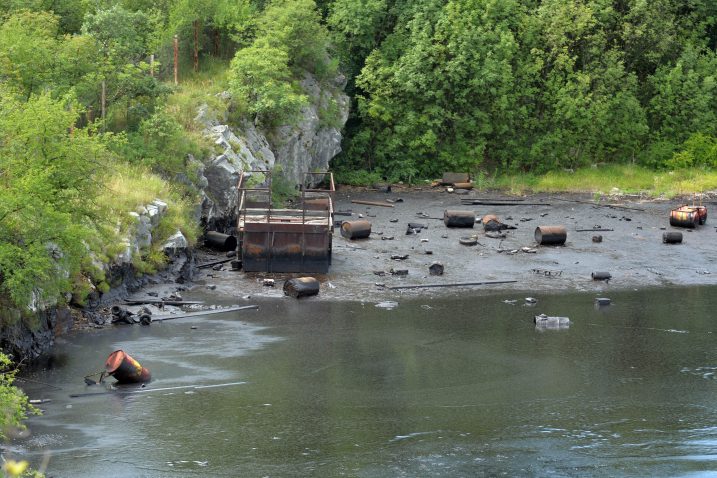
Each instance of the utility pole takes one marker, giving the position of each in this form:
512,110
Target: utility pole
151,65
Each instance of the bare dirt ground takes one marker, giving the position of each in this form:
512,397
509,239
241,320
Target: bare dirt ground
633,252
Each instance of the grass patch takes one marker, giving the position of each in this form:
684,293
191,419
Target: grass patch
627,179
199,88
127,188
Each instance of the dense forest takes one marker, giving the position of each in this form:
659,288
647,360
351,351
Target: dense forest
95,121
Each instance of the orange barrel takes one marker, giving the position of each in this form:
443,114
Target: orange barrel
125,369
454,218
356,229
684,217
551,235
672,237
219,241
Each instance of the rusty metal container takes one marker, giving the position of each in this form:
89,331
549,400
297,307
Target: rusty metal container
601,276
672,237
356,229
455,218
219,241
125,369
551,235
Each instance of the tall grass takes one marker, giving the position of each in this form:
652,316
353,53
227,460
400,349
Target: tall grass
626,179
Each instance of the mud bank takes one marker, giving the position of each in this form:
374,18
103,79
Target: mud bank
632,251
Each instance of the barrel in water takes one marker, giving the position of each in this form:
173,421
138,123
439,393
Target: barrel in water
125,369
454,218
672,237
219,241
301,287
551,235
356,229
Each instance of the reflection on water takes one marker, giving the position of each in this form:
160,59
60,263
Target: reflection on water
427,387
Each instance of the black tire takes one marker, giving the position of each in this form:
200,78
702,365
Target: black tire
468,241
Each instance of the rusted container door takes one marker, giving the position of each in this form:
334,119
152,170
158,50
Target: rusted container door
276,247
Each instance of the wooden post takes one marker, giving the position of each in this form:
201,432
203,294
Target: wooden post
103,100
176,59
195,56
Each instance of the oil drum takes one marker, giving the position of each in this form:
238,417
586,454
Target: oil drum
125,369
454,218
356,229
551,235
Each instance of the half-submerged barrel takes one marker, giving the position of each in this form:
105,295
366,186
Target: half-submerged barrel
219,241
125,369
455,218
672,237
356,229
551,235
301,287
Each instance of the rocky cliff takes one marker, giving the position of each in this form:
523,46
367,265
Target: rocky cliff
292,150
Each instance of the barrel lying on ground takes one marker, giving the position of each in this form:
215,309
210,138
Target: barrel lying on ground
125,369
601,276
672,237
301,287
222,242
551,235
355,229
455,218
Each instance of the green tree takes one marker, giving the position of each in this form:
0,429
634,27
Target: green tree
262,83
46,192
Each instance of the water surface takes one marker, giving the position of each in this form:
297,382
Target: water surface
431,387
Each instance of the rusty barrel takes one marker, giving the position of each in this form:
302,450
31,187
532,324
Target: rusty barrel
463,185
219,241
684,219
672,237
551,235
125,369
301,287
356,229
455,218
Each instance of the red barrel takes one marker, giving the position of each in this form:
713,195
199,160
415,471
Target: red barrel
125,369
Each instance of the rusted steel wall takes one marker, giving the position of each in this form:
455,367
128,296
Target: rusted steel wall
276,247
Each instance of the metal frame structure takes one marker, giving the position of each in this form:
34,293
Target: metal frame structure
285,240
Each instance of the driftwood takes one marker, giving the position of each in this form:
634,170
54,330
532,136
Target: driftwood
162,318
371,203
210,264
612,206
163,302
480,202
453,284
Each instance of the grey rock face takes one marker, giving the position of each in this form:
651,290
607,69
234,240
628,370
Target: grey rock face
311,144
305,147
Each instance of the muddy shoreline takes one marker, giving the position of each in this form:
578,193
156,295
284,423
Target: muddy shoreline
632,252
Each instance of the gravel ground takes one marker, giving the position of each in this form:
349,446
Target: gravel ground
633,253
